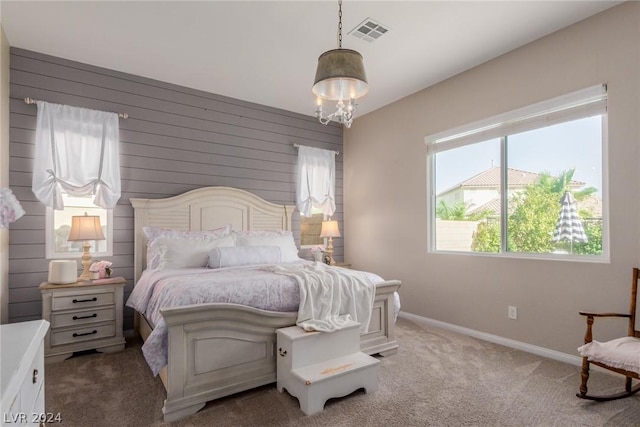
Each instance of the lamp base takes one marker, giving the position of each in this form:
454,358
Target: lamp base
86,262
329,252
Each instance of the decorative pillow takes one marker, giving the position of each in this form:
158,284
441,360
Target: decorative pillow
184,253
282,239
623,353
244,255
153,233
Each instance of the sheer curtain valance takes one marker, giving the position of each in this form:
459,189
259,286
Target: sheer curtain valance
76,152
316,180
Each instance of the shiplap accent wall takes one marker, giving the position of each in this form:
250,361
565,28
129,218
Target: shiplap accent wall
175,139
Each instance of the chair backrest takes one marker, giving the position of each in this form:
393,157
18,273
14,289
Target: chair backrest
633,331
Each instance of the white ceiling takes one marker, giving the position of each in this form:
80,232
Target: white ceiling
266,51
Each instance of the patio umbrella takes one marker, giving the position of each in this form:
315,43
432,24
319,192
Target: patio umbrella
569,226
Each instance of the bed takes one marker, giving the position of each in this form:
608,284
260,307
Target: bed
218,349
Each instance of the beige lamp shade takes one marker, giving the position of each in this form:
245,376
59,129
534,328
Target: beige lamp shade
86,227
330,229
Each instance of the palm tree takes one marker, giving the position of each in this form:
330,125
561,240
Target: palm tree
458,212
562,183
454,212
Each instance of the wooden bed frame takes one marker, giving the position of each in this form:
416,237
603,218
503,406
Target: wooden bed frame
219,349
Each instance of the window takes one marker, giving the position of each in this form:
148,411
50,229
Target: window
310,228
526,183
315,180
58,225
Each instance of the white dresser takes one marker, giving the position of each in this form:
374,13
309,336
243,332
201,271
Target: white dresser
22,373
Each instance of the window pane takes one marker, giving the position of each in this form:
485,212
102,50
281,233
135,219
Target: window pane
467,202
310,230
543,165
61,225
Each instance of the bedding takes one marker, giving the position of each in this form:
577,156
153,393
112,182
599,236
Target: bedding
330,298
254,286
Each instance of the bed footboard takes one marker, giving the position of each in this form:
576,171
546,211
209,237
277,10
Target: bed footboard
381,337
220,349
216,350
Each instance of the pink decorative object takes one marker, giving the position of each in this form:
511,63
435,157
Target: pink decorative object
10,208
100,269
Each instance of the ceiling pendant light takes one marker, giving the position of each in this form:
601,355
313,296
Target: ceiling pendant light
340,76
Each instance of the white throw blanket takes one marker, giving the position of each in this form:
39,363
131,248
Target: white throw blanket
330,296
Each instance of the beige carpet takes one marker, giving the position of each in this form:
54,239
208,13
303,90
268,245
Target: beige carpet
437,378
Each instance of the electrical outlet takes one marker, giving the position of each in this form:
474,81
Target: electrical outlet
513,312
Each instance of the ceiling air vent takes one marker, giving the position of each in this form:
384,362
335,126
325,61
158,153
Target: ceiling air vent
369,30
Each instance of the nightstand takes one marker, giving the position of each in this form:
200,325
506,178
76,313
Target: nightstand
343,264
83,316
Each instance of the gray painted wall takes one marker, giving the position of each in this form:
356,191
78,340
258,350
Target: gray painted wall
175,139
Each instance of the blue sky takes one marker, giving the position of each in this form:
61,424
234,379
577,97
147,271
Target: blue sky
576,144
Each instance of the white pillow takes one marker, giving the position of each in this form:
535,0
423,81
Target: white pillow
244,255
623,353
153,233
282,239
184,253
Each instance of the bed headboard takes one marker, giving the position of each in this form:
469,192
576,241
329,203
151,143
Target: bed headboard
204,209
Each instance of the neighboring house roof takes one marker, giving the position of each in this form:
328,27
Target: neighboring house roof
515,178
493,206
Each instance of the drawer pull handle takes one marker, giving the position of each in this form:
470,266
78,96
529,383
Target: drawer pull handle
86,333
85,317
35,376
85,300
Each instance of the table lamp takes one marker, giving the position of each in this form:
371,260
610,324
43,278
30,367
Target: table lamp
330,229
85,228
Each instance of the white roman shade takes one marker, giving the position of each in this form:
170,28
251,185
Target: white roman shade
576,105
76,152
316,180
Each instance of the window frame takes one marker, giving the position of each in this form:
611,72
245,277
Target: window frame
573,106
50,237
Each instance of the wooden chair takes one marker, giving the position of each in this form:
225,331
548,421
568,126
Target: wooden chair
621,355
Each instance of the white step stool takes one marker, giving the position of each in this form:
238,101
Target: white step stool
316,366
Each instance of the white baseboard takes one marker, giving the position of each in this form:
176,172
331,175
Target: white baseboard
518,345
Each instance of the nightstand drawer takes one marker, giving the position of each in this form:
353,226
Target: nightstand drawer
82,334
81,301
84,317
